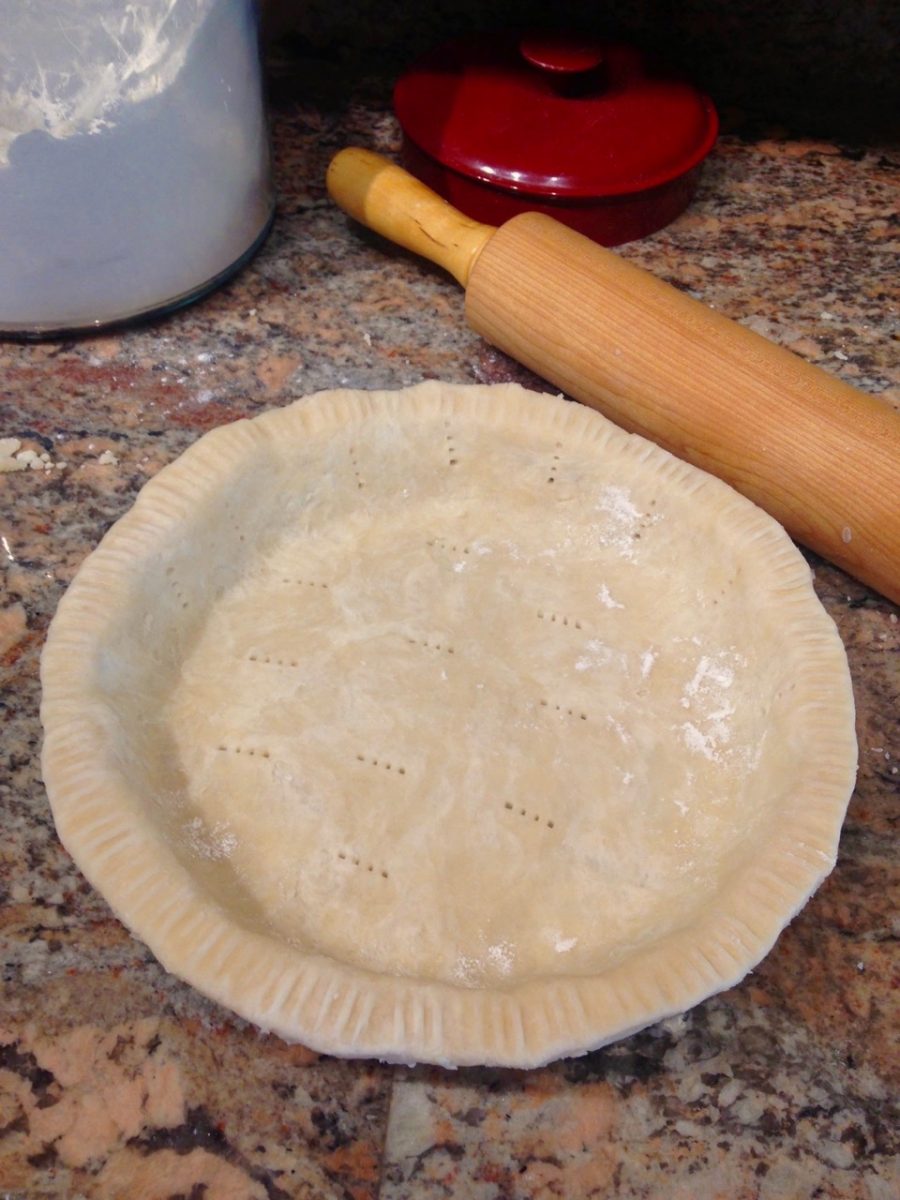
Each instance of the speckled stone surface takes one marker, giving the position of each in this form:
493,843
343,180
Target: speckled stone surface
116,1080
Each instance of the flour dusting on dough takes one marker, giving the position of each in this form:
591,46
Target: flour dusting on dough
216,843
623,520
466,969
501,956
699,743
605,598
709,672
705,695
471,969
621,732
598,654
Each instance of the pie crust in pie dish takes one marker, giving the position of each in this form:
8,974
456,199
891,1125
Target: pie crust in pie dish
451,724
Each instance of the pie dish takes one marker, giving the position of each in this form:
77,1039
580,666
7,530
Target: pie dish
450,724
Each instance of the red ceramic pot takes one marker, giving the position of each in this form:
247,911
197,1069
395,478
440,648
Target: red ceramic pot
593,134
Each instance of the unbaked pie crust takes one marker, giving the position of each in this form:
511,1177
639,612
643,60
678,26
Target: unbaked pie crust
450,724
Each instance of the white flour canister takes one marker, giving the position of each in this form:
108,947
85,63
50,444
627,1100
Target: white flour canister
134,157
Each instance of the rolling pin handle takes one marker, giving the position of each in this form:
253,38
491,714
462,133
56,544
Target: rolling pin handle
390,201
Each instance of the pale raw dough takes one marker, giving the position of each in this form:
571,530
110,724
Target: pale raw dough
447,695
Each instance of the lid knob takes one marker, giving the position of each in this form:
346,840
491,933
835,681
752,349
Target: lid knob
560,53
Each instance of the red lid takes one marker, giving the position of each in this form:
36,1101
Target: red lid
553,115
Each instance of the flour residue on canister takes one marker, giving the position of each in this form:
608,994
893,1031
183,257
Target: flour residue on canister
134,163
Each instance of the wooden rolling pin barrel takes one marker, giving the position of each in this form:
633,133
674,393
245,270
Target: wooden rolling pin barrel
820,456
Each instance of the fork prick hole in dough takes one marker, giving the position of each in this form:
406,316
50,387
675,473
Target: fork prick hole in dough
304,583
355,861
425,644
562,710
451,447
559,619
376,762
360,482
249,751
535,817
267,660
442,544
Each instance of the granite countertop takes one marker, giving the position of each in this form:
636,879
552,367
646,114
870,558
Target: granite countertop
117,1080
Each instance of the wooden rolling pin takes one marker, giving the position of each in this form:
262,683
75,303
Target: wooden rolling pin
820,456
